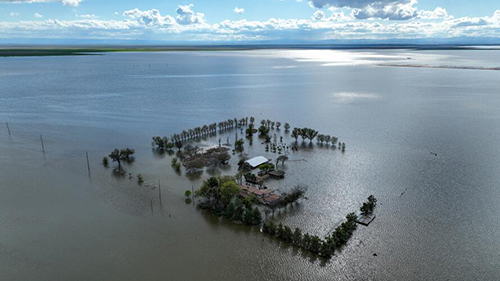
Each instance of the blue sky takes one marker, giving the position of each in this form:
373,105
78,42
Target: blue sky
247,20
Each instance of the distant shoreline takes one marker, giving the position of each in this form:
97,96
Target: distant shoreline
40,51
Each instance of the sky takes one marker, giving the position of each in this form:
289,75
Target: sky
240,21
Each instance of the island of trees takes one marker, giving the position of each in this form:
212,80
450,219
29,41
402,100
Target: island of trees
228,197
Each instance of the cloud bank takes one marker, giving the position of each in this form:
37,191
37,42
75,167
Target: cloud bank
187,24
72,3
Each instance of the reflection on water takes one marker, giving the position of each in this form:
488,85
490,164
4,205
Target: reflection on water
437,215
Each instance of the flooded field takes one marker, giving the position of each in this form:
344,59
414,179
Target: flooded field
437,216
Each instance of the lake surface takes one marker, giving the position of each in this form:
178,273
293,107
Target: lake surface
438,217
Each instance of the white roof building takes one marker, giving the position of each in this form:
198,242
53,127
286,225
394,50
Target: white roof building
257,161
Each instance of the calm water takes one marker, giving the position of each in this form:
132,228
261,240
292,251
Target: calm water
438,216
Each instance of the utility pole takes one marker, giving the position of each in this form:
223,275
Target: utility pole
88,164
43,147
159,193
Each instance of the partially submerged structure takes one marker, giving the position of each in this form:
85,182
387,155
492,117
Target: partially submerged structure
256,162
365,219
265,196
277,174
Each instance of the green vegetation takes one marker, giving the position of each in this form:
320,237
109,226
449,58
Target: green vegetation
263,131
69,51
119,155
140,179
187,193
221,197
297,193
369,206
105,161
162,143
239,145
324,247
176,164
266,168
295,134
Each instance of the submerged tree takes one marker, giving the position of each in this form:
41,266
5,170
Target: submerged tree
295,134
281,159
239,144
119,155
369,206
263,130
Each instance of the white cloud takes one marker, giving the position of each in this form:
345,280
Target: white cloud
185,15
72,3
239,10
153,25
355,3
438,13
86,16
391,11
370,9
150,17
37,15
318,15
12,14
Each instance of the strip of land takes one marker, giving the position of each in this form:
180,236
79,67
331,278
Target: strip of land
29,51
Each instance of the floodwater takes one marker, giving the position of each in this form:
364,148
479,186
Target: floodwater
437,219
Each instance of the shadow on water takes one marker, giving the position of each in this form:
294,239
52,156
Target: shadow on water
216,222
290,249
118,174
193,176
161,153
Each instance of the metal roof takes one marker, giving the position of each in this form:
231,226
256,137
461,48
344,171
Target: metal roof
257,161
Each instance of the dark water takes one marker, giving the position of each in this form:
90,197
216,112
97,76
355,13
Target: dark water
437,219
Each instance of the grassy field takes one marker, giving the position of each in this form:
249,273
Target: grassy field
9,51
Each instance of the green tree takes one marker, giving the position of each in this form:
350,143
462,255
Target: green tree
265,168
105,161
263,131
287,234
230,210
119,155
287,127
227,191
187,193
248,216
257,216
238,213
296,133
297,237
140,179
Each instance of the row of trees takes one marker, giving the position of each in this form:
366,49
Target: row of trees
310,134
324,247
305,133
200,131
240,210
326,139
